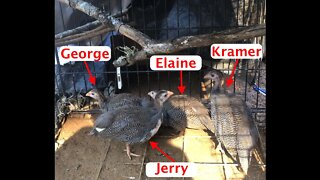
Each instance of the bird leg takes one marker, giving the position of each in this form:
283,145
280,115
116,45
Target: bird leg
92,132
129,153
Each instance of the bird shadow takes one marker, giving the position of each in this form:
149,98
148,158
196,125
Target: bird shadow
80,156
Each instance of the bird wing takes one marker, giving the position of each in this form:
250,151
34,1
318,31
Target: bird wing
182,111
104,120
132,124
234,127
174,114
123,100
201,115
247,132
225,124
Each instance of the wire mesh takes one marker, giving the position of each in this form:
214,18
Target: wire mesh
165,20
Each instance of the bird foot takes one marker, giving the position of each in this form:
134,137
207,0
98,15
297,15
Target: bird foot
91,133
129,153
136,155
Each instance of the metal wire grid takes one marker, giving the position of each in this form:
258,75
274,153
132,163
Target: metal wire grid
139,71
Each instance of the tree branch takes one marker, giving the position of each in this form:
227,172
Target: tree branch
79,29
86,35
151,47
86,27
82,36
185,42
109,21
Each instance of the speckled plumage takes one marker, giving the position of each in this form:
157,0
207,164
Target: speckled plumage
134,124
115,101
128,124
233,122
182,111
124,99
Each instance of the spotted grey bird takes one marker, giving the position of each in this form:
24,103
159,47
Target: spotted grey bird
182,111
109,101
233,121
132,125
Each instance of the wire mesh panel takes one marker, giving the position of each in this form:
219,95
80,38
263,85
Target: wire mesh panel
164,20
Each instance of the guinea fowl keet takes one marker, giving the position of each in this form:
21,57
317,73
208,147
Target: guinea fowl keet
182,111
233,122
136,124
115,101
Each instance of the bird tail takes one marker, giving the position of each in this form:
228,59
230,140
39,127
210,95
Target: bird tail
244,158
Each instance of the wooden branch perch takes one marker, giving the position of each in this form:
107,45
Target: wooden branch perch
79,29
151,47
185,42
109,21
86,27
82,36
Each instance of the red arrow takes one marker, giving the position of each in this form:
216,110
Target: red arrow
92,79
230,80
155,145
181,87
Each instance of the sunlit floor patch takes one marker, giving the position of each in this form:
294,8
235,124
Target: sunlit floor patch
80,156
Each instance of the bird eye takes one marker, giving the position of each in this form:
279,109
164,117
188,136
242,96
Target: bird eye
92,94
165,95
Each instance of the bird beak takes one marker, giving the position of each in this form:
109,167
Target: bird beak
88,94
207,76
170,93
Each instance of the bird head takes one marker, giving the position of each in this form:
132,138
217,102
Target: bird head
152,94
160,96
94,93
216,77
